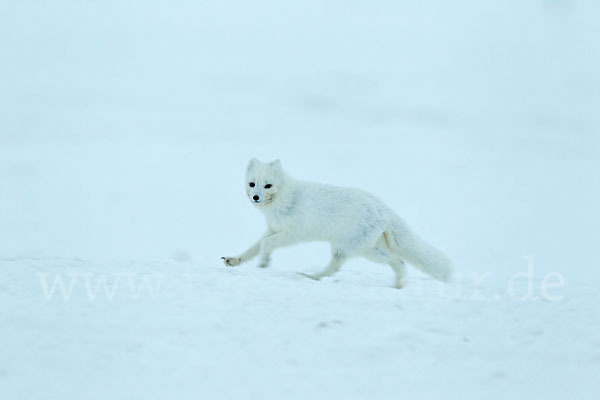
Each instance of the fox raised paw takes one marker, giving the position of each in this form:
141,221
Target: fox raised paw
231,261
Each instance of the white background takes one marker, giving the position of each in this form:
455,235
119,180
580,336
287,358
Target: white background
125,129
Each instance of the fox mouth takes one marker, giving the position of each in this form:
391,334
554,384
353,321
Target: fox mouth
262,202
261,199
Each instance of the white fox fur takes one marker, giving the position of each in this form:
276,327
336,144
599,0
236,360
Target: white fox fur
355,222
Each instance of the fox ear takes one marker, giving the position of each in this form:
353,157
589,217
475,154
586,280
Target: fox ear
252,164
275,164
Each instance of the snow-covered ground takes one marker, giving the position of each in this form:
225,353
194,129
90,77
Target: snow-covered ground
125,128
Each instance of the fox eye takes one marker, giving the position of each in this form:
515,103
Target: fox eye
251,184
269,186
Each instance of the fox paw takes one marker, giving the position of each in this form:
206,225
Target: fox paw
231,261
310,276
264,262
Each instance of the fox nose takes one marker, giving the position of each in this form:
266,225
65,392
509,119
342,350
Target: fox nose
255,198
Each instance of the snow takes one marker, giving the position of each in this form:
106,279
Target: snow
125,128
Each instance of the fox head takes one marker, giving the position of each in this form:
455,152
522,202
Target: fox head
263,181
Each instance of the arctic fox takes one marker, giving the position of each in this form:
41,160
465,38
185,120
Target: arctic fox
353,221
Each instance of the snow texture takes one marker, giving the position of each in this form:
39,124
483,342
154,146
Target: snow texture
125,130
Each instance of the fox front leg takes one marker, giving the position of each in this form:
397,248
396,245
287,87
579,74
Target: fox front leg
245,256
270,243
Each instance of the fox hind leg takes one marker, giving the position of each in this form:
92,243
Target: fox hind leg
337,259
400,271
382,253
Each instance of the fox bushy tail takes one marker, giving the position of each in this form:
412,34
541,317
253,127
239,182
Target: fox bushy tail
419,253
